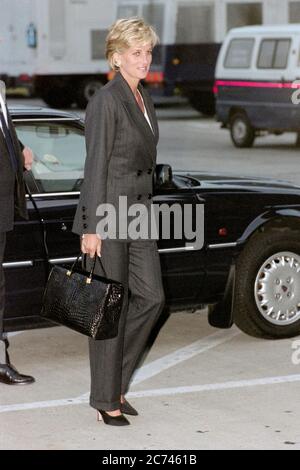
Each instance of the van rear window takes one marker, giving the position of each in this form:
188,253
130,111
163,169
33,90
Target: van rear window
273,54
239,53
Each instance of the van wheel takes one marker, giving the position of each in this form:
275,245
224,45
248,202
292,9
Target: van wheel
297,143
241,131
267,289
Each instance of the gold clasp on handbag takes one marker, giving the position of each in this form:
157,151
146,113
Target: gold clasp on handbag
90,278
70,271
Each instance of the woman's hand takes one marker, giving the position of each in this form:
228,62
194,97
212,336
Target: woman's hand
91,244
28,158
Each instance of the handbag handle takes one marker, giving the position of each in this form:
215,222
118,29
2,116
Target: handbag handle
90,277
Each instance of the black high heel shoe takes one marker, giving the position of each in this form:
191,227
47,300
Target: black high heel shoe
127,409
119,420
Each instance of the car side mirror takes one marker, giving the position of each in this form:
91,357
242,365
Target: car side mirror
163,176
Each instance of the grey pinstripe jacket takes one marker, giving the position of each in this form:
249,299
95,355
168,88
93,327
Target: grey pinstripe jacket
12,191
121,152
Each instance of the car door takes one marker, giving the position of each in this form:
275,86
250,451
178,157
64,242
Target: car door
25,271
182,256
52,196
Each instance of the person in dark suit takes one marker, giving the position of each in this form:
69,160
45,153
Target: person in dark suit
14,157
121,140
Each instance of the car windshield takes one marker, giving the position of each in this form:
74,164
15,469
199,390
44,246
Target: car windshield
59,154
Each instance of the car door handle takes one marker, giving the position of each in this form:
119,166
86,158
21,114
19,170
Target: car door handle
18,264
63,227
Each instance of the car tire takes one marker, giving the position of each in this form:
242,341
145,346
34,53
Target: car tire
267,268
241,131
86,89
58,97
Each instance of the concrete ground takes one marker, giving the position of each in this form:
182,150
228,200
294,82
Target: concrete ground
198,388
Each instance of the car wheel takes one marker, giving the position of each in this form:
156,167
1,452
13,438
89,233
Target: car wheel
267,289
241,131
86,90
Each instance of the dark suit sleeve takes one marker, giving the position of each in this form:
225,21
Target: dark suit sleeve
20,200
21,146
100,131
18,144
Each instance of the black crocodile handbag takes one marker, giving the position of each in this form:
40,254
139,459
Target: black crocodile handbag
84,302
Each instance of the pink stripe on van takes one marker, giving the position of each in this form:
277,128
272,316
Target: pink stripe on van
241,83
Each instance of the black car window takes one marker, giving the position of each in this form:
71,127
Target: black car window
59,154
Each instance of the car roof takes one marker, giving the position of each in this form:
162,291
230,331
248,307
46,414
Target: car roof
36,112
262,29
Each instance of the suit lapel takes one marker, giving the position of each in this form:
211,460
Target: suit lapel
15,142
129,101
4,149
2,141
3,146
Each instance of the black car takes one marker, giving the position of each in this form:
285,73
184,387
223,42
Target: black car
247,272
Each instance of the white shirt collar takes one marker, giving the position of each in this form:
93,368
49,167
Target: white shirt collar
145,113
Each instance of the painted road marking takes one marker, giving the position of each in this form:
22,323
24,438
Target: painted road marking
161,392
144,373
180,355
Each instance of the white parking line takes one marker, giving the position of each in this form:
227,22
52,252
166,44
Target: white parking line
217,386
183,354
180,355
144,373
161,392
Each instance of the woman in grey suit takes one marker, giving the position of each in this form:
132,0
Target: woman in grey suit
121,140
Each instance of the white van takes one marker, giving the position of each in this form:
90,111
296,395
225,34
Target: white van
257,83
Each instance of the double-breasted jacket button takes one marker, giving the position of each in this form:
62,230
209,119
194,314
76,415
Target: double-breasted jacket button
139,172
85,226
83,208
139,197
149,171
84,217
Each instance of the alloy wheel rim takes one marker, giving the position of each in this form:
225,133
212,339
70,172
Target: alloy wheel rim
277,289
239,130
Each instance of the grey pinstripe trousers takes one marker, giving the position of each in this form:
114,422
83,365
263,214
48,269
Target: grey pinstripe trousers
136,264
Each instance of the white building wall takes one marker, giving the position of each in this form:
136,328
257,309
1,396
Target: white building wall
275,12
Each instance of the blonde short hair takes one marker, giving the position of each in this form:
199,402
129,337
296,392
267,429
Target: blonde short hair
126,32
